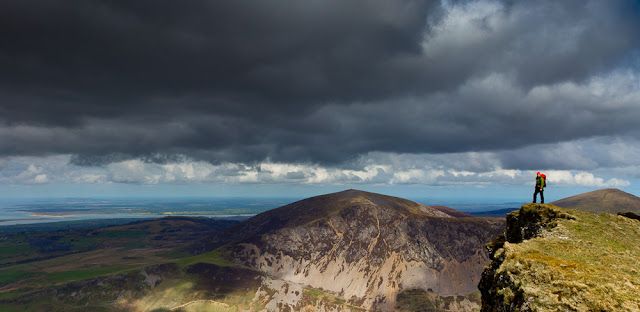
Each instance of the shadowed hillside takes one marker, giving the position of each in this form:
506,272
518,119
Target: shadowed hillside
606,200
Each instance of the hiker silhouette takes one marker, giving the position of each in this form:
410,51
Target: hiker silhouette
541,183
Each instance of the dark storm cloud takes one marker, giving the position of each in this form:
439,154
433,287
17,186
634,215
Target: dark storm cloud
103,58
321,81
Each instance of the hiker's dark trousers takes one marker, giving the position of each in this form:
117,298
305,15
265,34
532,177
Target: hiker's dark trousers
535,194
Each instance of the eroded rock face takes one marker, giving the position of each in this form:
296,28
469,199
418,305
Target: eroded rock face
530,220
367,252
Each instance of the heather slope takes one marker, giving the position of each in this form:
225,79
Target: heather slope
556,259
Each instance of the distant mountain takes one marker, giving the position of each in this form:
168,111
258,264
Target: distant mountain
605,200
493,213
368,249
320,207
452,212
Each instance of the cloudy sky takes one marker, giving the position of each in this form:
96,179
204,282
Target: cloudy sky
294,97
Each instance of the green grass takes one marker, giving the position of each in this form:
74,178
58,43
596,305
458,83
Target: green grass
30,278
175,254
133,239
135,244
590,263
13,308
12,250
214,257
122,234
8,295
317,294
314,292
9,276
75,275
313,295
82,242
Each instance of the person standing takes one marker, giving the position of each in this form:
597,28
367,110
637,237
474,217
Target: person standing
541,183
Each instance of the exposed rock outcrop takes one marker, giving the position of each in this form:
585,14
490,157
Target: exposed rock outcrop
629,215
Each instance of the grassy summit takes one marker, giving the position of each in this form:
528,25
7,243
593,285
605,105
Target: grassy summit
569,260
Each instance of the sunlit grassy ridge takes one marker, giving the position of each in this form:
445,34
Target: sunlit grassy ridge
586,263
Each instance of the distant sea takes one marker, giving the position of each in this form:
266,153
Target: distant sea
29,211
26,211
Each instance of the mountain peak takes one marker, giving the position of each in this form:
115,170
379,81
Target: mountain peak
348,198
610,200
378,245
344,202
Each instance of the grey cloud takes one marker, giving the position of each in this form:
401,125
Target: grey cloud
295,175
313,81
380,169
589,154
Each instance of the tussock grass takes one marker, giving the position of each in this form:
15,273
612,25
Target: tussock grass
591,263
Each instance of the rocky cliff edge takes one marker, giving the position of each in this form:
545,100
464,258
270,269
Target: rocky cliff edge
555,259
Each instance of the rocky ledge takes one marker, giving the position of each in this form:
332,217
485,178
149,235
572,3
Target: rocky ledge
554,259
